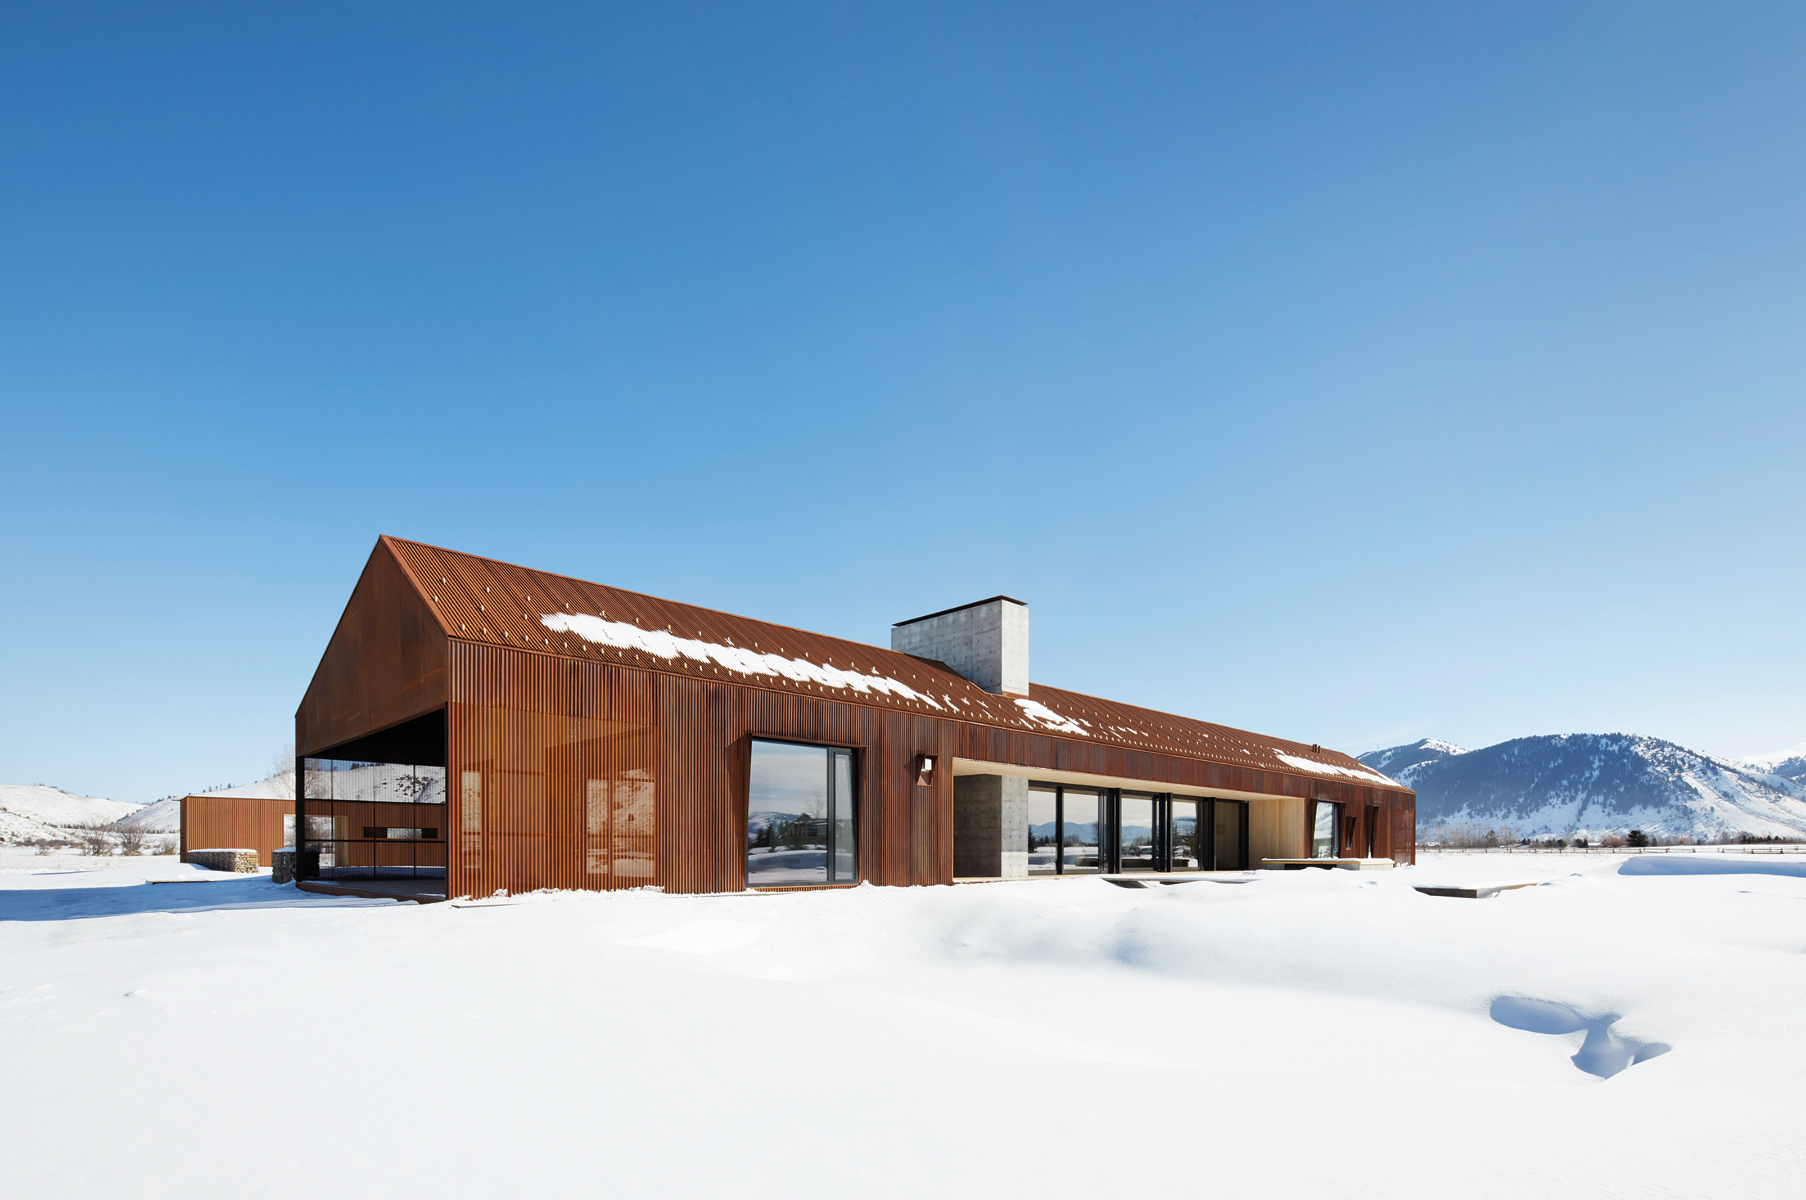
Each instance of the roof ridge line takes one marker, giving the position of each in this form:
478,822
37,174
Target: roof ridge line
649,596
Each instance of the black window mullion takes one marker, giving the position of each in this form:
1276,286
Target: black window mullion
1113,834
1163,833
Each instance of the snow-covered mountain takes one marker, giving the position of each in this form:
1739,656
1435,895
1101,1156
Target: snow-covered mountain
165,816
1595,785
1789,766
35,812
1401,762
54,806
32,812
159,816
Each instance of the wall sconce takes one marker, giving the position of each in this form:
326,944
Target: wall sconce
924,770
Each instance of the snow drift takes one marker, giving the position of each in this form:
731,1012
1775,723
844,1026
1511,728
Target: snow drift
1001,1039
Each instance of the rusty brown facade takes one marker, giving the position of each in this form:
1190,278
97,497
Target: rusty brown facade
236,823
561,734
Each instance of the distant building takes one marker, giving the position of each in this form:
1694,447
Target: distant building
475,726
232,819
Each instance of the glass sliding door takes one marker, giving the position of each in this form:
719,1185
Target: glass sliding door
1137,832
1184,853
1043,830
800,810
1062,830
1079,830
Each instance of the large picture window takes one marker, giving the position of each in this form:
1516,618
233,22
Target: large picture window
1175,833
1062,830
800,812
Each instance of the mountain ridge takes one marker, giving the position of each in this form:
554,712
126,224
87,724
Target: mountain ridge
1597,785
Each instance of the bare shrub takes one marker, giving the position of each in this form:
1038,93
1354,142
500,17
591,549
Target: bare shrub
96,840
166,845
1611,843
131,839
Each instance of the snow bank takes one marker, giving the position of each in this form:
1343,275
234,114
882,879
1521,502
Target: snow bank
1001,1039
1717,864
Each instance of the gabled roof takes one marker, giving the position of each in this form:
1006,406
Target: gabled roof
482,600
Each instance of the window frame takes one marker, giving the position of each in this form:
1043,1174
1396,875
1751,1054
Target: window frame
1240,808
1335,830
853,755
1106,811
1201,841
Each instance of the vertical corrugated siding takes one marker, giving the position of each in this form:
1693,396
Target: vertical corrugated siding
384,664
542,733
548,787
233,823
700,832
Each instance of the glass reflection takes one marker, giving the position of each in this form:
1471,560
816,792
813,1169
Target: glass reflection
1185,836
1078,831
787,815
1043,831
840,801
1136,828
800,816
373,820
1323,830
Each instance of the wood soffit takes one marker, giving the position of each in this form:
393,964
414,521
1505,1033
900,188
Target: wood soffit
484,601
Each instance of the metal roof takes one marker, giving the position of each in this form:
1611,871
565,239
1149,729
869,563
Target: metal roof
482,600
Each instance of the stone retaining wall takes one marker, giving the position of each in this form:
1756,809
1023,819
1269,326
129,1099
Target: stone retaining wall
242,861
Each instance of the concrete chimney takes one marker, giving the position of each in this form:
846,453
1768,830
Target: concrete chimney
985,642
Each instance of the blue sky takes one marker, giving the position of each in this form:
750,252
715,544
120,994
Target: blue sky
1352,373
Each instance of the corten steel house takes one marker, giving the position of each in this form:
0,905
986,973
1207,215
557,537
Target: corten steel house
476,727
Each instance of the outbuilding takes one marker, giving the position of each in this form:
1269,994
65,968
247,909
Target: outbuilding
247,818
476,727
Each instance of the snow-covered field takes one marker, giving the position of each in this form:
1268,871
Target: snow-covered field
1307,1033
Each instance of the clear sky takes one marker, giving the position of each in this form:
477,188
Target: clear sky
1354,373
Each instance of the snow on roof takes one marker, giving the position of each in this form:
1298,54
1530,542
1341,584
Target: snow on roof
1048,717
484,601
662,644
1364,774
